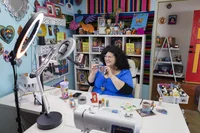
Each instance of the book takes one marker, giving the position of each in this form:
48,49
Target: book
130,48
60,36
85,46
139,20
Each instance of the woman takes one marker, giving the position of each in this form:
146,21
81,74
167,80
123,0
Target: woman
117,80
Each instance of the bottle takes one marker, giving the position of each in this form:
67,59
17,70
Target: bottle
160,101
64,89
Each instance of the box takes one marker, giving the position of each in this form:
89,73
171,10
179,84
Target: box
172,99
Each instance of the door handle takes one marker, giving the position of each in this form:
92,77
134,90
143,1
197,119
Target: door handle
191,46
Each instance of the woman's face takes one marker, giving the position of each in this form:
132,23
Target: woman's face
110,59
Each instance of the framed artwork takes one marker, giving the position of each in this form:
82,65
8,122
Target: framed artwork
51,8
43,10
58,12
172,19
101,22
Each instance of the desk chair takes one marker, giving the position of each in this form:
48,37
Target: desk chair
136,86
136,90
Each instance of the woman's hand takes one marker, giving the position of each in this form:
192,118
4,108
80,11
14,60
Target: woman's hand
94,68
108,72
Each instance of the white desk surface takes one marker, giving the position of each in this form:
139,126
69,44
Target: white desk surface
173,122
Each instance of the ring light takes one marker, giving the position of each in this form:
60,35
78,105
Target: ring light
20,48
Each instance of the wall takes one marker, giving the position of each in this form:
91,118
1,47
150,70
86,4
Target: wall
182,30
6,74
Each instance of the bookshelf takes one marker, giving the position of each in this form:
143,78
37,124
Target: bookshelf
165,64
134,50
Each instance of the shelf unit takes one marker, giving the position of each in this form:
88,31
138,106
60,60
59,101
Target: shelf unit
107,40
53,21
169,61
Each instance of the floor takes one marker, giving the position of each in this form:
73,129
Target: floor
193,120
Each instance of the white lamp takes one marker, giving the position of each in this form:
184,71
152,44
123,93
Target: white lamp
24,40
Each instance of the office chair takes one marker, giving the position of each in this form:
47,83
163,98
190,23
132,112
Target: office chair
136,86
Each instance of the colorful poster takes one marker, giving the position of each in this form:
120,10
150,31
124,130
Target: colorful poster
139,20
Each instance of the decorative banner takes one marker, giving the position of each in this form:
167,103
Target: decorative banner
7,33
108,6
1,49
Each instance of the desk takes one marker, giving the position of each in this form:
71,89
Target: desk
173,122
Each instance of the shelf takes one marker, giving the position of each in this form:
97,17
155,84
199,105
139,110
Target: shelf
167,75
169,48
95,53
53,21
133,55
85,68
167,62
82,52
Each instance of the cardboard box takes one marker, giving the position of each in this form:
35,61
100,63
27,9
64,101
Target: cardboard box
172,99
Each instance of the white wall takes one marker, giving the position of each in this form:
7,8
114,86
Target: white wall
182,30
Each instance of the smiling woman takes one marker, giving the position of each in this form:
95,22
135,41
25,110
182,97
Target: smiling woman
116,78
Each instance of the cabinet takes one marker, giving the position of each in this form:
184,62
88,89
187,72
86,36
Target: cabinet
168,61
90,47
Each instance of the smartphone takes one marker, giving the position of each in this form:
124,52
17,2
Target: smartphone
77,94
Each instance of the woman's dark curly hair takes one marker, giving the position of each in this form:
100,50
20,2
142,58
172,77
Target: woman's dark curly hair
121,59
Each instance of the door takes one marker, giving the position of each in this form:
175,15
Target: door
193,64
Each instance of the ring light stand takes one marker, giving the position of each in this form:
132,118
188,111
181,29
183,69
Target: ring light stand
21,46
49,120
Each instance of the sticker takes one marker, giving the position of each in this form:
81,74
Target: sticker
6,56
50,30
19,29
55,30
7,33
1,49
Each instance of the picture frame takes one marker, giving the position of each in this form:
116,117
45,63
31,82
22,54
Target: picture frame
51,8
101,22
172,20
43,10
58,12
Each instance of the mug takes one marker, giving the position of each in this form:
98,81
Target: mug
147,107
